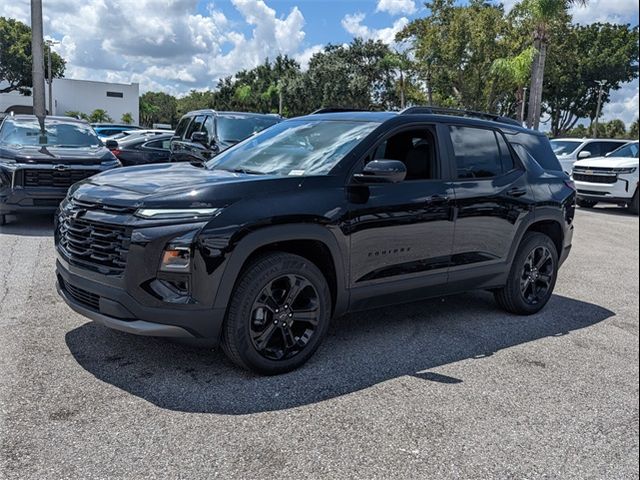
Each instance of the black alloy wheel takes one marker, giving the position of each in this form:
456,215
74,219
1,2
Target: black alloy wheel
284,317
537,274
278,314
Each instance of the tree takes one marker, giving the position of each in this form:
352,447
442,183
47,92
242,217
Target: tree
99,116
454,48
77,114
579,57
615,129
515,71
158,107
633,130
127,118
15,57
542,13
194,100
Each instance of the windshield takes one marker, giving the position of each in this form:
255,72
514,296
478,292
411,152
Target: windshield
630,150
564,147
235,128
58,133
295,148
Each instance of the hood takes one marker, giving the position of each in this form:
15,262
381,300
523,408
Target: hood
49,154
608,162
178,185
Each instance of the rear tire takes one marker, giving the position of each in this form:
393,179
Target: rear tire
278,314
532,277
633,205
586,203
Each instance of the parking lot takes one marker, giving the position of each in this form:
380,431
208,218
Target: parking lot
447,388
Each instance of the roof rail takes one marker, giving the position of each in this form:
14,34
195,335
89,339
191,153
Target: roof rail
336,110
460,113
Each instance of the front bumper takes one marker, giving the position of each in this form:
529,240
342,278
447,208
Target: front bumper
621,191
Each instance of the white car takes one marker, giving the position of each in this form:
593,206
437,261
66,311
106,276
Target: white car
610,179
569,150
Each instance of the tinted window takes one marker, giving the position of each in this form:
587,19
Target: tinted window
564,147
505,154
57,133
593,148
630,150
295,148
476,151
161,144
606,147
415,148
182,126
235,128
209,127
195,126
538,146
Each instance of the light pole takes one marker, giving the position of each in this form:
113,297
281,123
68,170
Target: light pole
524,103
600,92
49,44
37,67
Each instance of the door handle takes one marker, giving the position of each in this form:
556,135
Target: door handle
517,192
434,199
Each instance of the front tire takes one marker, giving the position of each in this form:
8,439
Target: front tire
279,312
633,206
532,277
586,203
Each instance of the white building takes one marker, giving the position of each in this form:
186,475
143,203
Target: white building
82,96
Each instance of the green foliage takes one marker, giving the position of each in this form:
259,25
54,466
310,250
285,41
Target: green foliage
633,130
77,114
158,107
99,116
127,118
15,57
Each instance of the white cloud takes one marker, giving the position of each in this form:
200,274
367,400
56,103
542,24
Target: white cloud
614,11
305,57
396,7
623,104
352,23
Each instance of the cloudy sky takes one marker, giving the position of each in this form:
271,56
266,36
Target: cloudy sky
177,45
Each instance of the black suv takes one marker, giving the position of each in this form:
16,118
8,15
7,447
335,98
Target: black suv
203,134
315,217
35,172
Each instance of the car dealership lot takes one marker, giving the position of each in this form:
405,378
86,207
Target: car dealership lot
444,388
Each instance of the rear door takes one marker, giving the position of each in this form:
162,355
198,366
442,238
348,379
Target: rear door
492,198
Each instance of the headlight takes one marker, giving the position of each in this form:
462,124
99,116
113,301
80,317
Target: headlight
625,170
182,213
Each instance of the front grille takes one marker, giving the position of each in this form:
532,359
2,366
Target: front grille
36,177
87,299
94,243
595,178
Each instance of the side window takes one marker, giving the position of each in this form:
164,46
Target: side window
209,127
476,151
195,126
415,148
505,154
182,126
606,147
161,144
593,148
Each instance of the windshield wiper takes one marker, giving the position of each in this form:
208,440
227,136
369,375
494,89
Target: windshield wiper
245,171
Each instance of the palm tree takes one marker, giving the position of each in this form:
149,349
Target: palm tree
127,118
516,71
100,116
543,13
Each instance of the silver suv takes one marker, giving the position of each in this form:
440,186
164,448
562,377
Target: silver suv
570,150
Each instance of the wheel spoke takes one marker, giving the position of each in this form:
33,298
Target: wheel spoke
545,279
543,258
308,316
296,285
261,340
289,340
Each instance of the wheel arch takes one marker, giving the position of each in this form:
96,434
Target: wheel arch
314,242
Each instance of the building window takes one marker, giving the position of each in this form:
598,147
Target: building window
115,94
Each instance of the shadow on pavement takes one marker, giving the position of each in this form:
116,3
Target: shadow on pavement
361,350
606,209
29,225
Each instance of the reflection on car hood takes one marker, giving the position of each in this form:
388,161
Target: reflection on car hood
50,154
608,162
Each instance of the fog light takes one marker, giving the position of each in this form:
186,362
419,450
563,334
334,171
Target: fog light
176,259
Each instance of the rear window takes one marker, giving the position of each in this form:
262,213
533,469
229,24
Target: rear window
477,153
538,147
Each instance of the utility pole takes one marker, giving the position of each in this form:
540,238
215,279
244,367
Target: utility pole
49,44
37,69
600,92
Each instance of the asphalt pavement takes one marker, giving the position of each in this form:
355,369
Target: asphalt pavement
445,388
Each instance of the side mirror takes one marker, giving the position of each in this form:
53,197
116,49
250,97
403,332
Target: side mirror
200,137
111,144
584,154
381,171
